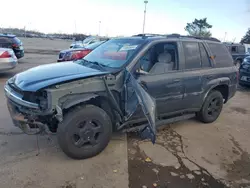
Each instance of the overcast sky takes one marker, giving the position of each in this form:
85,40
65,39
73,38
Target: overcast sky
125,17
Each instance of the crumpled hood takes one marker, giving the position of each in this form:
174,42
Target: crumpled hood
45,75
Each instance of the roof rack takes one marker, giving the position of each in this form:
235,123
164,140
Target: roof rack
193,37
148,35
176,35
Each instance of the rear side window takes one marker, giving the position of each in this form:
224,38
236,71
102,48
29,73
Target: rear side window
234,49
4,40
222,56
192,55
205,60
242,49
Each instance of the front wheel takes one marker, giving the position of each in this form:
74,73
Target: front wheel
84,132
211,108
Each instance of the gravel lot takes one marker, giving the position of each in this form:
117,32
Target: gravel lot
187,154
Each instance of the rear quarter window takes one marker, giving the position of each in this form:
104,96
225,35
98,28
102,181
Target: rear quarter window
222,56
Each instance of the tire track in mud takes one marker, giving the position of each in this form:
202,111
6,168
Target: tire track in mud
142,173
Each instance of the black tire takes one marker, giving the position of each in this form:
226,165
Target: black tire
78,126
211,107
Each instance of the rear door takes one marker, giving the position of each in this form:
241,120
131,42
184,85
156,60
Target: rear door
192,75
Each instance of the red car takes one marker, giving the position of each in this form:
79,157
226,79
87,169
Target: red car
77,53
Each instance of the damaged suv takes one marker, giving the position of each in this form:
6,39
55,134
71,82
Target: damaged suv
132,84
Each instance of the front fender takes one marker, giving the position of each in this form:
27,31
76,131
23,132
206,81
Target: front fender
74,99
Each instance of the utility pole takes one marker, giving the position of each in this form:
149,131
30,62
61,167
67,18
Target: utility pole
25,31
75,26
144,19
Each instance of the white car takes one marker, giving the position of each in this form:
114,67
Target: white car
8,59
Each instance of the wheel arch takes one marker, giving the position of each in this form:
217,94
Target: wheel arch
101,100
222,88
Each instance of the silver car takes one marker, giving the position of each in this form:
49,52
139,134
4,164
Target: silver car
8,59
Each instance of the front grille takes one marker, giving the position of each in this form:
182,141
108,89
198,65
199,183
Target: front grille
61,55
15,88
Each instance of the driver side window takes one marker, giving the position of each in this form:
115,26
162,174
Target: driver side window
159,59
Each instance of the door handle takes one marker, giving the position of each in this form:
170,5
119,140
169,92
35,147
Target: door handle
176,80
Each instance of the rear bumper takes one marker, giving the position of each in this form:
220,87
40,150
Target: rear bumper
232,91
7,63
245,74
61,60
19,53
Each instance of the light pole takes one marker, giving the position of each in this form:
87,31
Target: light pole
99,28
144,19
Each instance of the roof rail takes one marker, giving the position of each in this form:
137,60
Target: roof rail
147,35
193,37
176,35
203,38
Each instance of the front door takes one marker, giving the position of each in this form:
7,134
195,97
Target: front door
167,89
135,95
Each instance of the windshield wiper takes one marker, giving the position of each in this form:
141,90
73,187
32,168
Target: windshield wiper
84,61
98,64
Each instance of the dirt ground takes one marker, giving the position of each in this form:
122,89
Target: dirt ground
192,154
186,154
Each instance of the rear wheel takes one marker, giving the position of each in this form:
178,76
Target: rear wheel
84,132
211,108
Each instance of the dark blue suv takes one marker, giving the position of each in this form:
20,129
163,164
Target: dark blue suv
11,41
136,83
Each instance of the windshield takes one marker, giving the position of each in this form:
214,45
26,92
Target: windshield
77,46
114,53
88,39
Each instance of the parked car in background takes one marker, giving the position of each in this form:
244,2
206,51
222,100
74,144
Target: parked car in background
87,41
77,53
132,84
244,72
11,41
8,59
238,52
76,44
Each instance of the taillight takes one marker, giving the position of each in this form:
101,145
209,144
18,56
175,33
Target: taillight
238,75
5,54
75,55
15,46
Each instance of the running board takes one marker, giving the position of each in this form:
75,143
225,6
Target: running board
160,123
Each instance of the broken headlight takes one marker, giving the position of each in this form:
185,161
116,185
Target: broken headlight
43,100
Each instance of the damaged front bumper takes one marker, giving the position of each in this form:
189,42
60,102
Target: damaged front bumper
27,123
24,114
